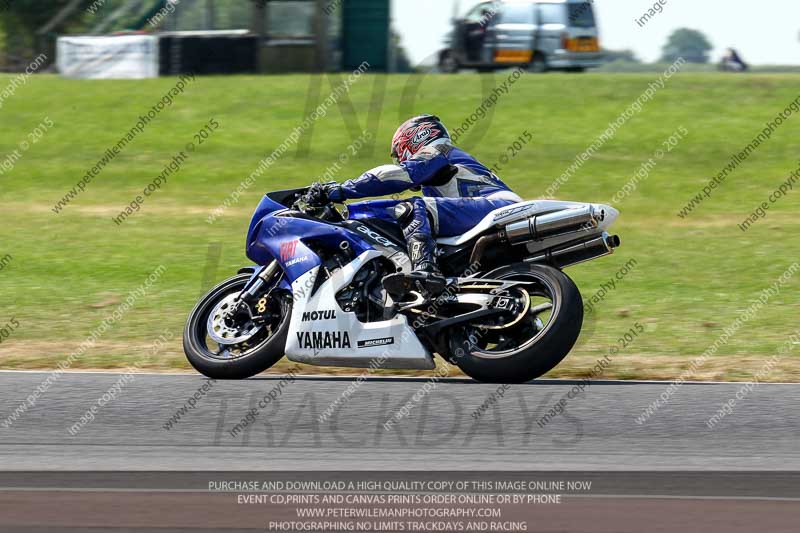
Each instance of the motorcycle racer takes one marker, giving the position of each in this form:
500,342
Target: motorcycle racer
458,192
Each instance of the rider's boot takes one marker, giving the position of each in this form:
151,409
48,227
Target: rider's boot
425,277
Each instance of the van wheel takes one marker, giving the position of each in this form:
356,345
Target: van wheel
448,64
538,64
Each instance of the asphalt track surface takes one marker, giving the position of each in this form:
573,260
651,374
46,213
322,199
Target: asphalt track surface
441,431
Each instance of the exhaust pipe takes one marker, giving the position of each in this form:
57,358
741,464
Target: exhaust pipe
552,224
572,254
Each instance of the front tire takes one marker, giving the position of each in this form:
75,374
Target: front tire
259,352
540,346
448,64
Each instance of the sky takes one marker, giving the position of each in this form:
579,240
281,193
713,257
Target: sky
765,32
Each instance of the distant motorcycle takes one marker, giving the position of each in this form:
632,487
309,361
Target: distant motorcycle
508,314
732,62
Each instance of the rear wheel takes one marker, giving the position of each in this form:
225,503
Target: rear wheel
538,64
531,346
223,342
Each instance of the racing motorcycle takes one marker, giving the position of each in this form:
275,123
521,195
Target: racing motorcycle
508,313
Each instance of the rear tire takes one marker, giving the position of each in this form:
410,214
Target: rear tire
538,64
251,361
554,341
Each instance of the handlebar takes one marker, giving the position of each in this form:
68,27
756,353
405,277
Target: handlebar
293,199
327,212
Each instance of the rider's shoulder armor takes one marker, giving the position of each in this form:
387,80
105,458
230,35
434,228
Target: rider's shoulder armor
468,177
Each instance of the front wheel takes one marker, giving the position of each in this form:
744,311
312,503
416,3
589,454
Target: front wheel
223,340
448,63
531,345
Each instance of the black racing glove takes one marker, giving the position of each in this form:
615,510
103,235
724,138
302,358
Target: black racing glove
321,194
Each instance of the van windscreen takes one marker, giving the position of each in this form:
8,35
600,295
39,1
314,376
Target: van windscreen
581,15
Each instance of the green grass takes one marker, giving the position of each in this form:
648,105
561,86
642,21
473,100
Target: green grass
694,276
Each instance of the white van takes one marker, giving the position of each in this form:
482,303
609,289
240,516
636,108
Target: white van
541,35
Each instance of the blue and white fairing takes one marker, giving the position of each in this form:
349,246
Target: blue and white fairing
320,332
273,235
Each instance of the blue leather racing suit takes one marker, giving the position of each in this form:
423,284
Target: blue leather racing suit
458,191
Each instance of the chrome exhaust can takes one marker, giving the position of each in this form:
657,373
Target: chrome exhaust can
572,254
552,224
